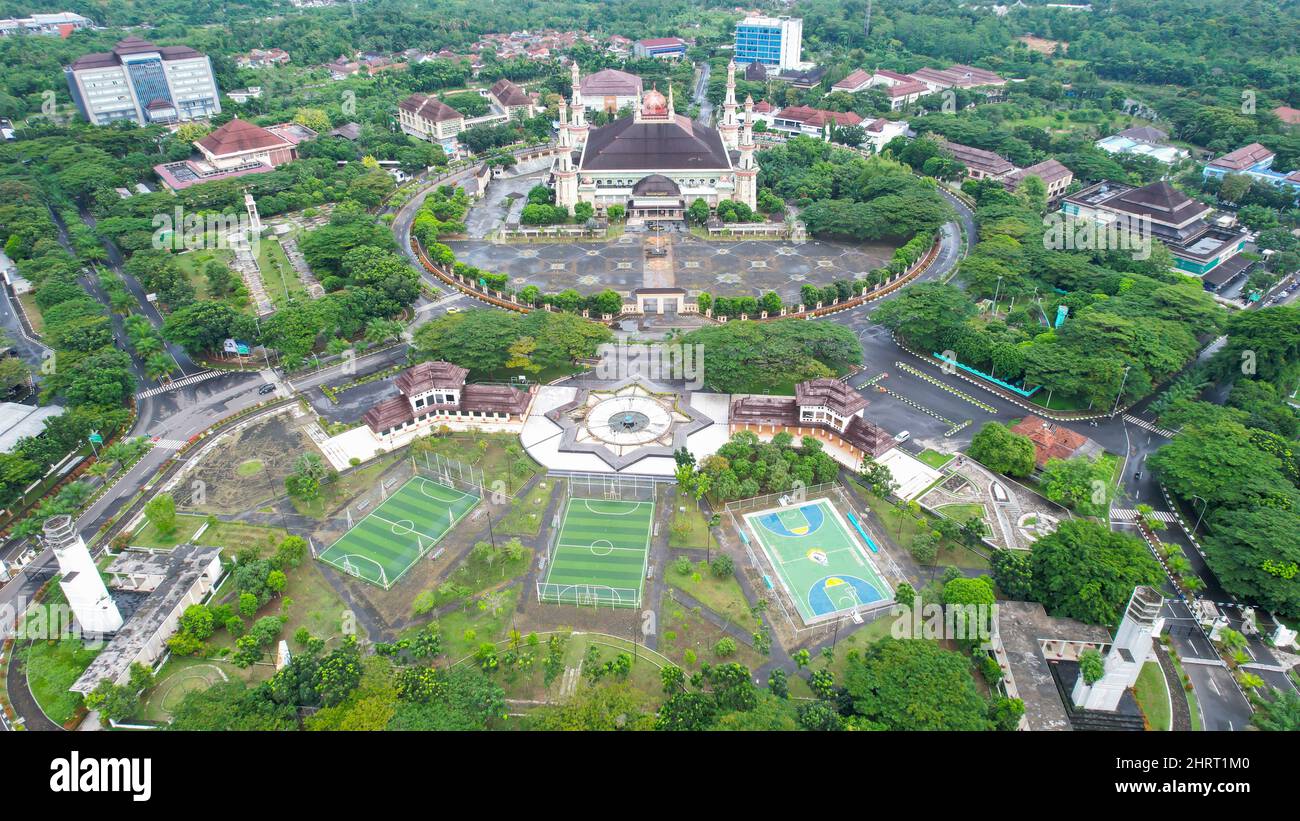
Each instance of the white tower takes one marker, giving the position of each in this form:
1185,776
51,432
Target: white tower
82,585
566,176
747,166
1127,653
578,129
729,128
254,218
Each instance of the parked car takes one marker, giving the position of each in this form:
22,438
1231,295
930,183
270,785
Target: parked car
265,389
902,437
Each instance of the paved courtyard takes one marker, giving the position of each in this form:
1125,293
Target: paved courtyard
747,267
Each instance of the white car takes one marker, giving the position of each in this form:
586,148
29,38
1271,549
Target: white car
902,437
454,310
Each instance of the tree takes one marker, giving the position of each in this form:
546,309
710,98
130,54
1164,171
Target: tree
698,212
1091,666
686,711
914,685
1256,555
161,513
1013,573
996,447
1085,571
1280,712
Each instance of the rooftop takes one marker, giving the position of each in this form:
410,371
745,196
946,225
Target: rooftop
181,568
978,158
429,108
610,83
238,136
1053,441
427,376
677,145
509,94
20,421
1243,158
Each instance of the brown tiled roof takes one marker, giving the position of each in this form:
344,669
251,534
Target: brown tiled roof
830,393
1287,114
679,145
663,41
240,135
906,89
817,117
1242,158
1159,201
1049,171
856,78
1050,441
494,399
429,375
509,94
429,108
610,83
389,413
868,437
978,158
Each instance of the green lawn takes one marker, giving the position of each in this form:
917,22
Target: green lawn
343,489
688,529
485,619
195,263
895,523
1152,696
934,458
723,596
855,639
962,512
232,537
688,639
278,276
497,455
473,577
53,667
526,512
32,310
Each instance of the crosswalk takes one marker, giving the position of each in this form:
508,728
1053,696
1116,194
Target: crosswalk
1126,515
179,383
169,444
1145,425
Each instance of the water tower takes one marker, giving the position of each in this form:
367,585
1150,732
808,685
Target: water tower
82,585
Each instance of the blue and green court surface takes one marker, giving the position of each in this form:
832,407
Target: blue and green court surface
821,564
391,538
601,554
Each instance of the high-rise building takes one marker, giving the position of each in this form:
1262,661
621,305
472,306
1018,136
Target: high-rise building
144,83
772,41
83,587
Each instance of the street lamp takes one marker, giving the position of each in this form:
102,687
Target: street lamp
1115,409
1204,505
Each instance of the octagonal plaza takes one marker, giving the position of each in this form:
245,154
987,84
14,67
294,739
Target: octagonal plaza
719,267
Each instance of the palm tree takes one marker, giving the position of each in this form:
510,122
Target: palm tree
158,366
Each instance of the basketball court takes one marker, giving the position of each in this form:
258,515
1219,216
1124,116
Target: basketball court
390,539
821,565
600,556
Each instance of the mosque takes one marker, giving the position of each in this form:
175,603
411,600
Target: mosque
656,162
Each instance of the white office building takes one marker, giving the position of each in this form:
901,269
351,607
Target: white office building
144,83
776,42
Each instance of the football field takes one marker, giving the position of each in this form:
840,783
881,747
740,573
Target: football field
390,539
601,554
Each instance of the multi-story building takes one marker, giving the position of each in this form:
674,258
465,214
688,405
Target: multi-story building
61,24
428,118
235,149
669,47
826,409
980,164
1200,247
144,83
510,98
436,393
1054,175
610,90
773,41
1254,161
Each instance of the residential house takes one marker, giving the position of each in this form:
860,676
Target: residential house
510,98
1055,441
1143,141
980,164
1254,161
